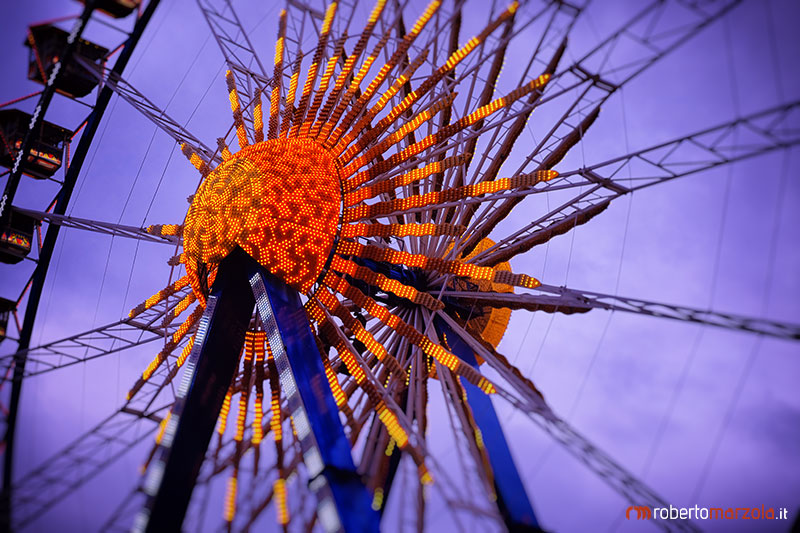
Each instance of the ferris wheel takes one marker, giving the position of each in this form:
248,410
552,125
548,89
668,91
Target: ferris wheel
340,329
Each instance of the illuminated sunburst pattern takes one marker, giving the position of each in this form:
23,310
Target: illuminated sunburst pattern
311,195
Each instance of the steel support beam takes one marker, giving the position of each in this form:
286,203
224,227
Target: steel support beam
512,499
209,371
344,503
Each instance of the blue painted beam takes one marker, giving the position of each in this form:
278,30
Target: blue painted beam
512,499
344,503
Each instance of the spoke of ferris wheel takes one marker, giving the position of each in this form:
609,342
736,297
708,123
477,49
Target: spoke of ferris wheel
151,111
107,228
652,33
743,138
77,463
239,53
98,342
606,468
570,301
304,22
129,425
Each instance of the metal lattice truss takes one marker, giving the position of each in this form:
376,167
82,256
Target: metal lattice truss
238,51
570,301
98,342
575,94
598,184
150,110
106,228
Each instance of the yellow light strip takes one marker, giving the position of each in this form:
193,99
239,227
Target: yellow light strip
439,136
258,118
286,120
443,266
162,427
336,389
169,347
258,419
352,90
362,123
396,136
165,230
387,417
305,130
195,160
399,54
412,229
347,69
236,107
178,309
429,83
223,149
275,99
281,505
332,303
360,194
386,284
185,352
230,498
159,296
448,195
372,307
222,423
311,76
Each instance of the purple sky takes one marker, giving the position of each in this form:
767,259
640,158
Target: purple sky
703,241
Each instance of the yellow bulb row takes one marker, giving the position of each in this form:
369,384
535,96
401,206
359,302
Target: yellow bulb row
258,118
414,95
448,195
332,303
160,296
354,181
290,98
281,504
384,283
275,402
165,230
230,499
336,389
352,231
401,80
162,427
399,54
395,137
351,91
236,107
275,97
224,410
348,66
364,193
179,308
195,160
311,76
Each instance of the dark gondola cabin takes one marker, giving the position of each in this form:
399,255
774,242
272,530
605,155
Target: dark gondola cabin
47,43
6,307
16,237
116,8
47,149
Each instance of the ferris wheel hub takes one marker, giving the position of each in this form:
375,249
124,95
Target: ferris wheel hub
280,200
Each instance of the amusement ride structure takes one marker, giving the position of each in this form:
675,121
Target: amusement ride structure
350,248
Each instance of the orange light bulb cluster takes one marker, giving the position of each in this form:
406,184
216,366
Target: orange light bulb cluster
279,200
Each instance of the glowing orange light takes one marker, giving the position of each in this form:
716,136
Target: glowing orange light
279,200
